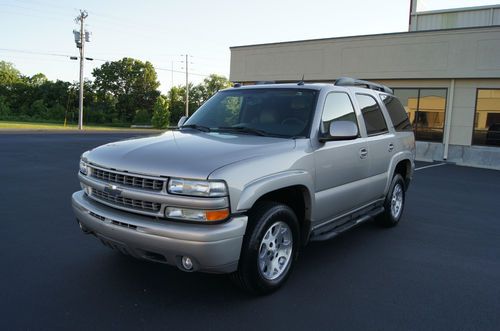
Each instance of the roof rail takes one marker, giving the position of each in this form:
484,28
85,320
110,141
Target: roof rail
348,81
265,82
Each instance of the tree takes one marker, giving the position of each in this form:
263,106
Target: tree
9,75
161,114
177,102
212,84
4,108
131,82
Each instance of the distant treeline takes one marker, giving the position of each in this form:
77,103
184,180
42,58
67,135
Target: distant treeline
122,93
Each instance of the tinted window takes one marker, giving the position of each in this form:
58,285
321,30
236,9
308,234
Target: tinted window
397,113
338,107
372,114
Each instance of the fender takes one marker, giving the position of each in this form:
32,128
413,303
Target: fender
263,185
398,157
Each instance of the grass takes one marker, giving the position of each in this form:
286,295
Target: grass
13,125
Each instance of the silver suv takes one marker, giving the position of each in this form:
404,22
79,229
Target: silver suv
253,175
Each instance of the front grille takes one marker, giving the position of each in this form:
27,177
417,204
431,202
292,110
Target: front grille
128,180
126,202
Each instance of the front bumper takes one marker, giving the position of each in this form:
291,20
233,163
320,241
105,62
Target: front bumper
212,248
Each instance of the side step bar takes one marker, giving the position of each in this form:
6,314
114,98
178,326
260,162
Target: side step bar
326,234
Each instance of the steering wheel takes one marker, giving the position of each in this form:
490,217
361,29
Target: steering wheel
292,121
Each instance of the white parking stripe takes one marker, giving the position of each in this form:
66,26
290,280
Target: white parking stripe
430,166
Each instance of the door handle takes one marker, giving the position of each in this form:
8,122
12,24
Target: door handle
363,152
391,147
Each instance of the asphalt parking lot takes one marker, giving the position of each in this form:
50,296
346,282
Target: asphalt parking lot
439,269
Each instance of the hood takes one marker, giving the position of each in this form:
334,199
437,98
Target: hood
187,154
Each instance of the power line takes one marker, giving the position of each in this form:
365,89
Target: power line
33,52
95,59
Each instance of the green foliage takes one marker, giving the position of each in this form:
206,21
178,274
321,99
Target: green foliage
131,82
142,117
212,84
38,109
123,92
177,107
9,75
161,113
4,108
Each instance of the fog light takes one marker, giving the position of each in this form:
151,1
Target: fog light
187,263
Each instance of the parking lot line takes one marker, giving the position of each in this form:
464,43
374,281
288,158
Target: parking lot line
430,166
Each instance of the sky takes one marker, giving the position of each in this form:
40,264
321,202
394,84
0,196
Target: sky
36,35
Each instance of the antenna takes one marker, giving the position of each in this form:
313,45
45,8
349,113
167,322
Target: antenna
301,81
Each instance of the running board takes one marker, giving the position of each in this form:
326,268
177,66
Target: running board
326,234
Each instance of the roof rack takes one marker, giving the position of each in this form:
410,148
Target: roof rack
265,82
348,81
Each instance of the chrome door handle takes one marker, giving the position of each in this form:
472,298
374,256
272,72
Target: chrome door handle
363,152
391,147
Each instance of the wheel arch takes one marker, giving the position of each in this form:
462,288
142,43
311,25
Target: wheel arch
292,189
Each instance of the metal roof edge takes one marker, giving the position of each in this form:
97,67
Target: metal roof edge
403,33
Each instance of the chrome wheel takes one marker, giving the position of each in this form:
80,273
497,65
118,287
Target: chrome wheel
397,201
275,250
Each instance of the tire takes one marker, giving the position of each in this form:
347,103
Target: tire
266,260
394,203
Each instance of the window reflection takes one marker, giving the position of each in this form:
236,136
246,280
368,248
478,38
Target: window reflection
426,110
487,118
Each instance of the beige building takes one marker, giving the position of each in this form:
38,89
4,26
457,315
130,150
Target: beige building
446,70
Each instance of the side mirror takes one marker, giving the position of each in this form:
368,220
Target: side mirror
182,120
341,130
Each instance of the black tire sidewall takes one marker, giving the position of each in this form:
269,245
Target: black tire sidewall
389,217
265,215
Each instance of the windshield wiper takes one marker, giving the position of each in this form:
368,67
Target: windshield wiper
196,127
244,129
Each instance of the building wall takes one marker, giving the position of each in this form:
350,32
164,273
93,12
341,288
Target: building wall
455,18
462,53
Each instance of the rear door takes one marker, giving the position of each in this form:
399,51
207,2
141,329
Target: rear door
381,144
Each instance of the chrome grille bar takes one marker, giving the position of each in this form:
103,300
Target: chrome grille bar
127,180
126,202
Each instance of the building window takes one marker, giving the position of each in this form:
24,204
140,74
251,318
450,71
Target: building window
426,109
487,118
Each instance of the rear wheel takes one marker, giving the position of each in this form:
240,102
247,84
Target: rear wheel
394,203
269,249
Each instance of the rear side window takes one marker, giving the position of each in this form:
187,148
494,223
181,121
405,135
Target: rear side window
372,114
338,107
397,113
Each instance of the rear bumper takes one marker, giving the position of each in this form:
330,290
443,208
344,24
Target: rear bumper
212,248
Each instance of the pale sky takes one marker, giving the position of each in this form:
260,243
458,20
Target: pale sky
160,31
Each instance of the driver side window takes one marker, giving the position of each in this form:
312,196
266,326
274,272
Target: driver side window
338,107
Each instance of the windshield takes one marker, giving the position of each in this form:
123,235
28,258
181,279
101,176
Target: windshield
271,112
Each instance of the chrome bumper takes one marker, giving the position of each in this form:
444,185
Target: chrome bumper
212,248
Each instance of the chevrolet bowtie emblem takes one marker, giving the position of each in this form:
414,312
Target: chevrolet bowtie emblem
112,190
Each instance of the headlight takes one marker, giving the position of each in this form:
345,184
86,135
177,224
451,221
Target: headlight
199,188
197,215
83,168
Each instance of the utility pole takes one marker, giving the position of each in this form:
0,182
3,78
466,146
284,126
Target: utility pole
187,87
172,74
84,36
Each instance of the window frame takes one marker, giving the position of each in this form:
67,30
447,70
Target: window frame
474,116
381,111
323,111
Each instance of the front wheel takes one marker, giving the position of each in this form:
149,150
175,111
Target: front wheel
269,249
394,203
